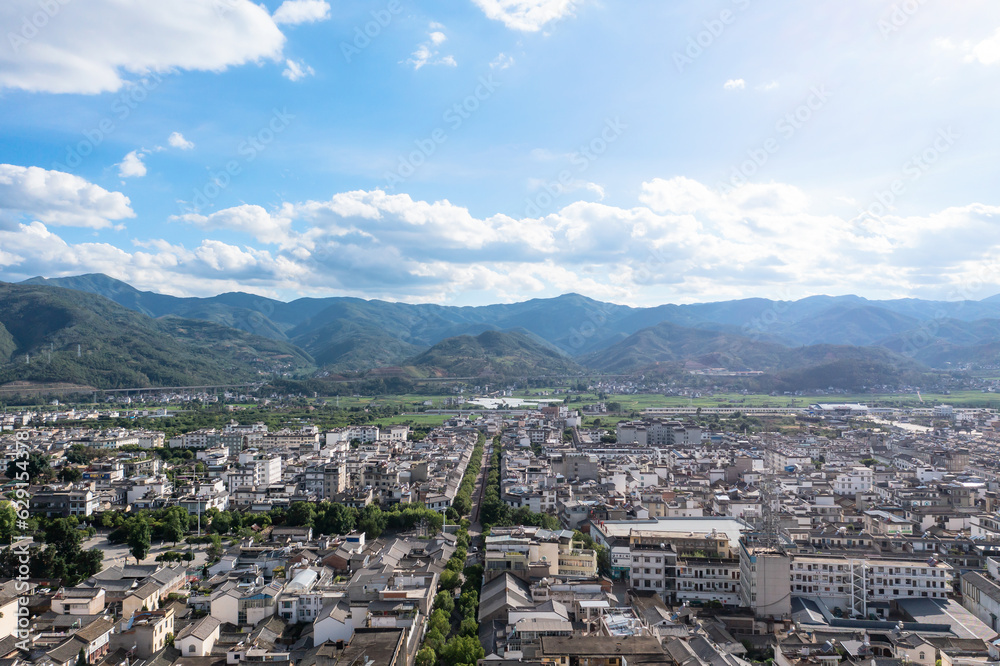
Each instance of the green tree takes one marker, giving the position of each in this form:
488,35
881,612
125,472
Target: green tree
444,601
62,534
462,650
70,475
81,659
88,563
8,521
372,521
426,657
450,580
302,514
468,603
35,466
473,580
332,518
139,539
215,549
469,627
434,640
173,529
440,621
222,523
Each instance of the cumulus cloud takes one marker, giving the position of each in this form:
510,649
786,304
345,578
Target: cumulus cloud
249,219
99,45
296,70
132,166
57,198
429,53
680,241
293,12
735,84
527,15
986,52
177,140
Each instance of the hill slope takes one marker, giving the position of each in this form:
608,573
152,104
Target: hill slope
670,343
492,353
784,368
46,326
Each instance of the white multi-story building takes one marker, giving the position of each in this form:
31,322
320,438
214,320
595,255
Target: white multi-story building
659,433
765,580
256,471
851,583
395,433
708,579
859,479
981,593
778,459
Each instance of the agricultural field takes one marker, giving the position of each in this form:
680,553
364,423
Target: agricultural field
638,402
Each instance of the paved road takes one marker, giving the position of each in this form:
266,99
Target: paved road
477,492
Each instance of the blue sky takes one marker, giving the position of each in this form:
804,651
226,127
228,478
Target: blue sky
476,151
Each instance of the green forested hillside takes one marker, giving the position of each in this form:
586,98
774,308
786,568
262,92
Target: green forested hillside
493,353
58,335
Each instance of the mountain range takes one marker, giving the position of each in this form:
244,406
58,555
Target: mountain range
848,339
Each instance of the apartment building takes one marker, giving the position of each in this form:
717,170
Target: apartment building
856,480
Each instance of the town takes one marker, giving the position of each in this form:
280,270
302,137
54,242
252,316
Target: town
506,535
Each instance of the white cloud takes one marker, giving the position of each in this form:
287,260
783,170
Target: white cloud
502,61
767,87
556,188
527,15
296,70
57,198
681,241
735,84
132,166
294,12
428,53
986,52
250,219
177,140
97,46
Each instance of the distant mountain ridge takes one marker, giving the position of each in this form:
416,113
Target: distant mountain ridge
347,334
50,334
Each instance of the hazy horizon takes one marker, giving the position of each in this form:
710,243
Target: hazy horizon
562,295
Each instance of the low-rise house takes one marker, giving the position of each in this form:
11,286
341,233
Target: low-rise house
198,638
79,601
145,633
